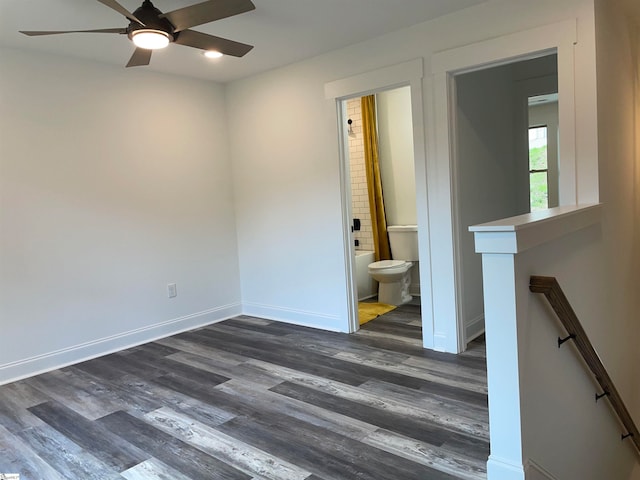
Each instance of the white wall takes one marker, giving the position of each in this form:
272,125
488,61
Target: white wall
287,199
285,153
619,190
397,169
486,172
558,392
636,251
113,184
397,164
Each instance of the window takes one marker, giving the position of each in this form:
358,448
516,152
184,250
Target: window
538,168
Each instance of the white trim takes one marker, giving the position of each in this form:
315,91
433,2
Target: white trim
381,79
533,471
347,216
292,316
505,49
517,234
474,328
461,327
408,73
440,340
502,469
557,38
440,195
503,380
28,367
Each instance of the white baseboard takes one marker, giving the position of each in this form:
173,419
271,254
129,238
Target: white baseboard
303,318
533,471
29,367
440,342
502,469
367,298
474,328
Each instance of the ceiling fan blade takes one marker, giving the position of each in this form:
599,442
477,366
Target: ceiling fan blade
140,57
205,12
120,9
191,38
54,32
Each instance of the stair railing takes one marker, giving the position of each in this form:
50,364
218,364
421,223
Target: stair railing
551,289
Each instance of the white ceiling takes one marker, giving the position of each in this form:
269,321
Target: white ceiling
282,31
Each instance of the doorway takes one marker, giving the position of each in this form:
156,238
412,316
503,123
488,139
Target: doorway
501,168
391,118
408,74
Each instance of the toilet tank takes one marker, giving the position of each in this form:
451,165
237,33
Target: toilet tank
404,242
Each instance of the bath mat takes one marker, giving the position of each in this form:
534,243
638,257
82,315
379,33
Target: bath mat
368,311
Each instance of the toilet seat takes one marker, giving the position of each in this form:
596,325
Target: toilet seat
383,265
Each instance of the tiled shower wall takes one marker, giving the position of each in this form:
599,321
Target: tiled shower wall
359,194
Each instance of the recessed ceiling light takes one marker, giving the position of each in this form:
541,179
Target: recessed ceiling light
212,54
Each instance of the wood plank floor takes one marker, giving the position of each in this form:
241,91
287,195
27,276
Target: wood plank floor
254,399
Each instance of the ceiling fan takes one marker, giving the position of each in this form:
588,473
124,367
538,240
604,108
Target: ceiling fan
150,29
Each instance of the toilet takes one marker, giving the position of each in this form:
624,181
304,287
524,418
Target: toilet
394,276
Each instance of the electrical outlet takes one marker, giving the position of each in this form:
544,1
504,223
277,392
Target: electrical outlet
172,290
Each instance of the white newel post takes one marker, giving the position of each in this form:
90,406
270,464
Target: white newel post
505,304
505,461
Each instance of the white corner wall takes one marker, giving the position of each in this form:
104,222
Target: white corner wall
287,200
113,183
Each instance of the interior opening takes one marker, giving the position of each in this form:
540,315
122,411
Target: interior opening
383,199
506,161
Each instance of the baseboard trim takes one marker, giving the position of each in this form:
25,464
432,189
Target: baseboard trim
367,297
29,367
302,318
533,471
474,328
504,469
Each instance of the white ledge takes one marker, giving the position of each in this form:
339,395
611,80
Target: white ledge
517,234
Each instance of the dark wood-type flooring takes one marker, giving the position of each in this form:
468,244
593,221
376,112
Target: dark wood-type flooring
254,399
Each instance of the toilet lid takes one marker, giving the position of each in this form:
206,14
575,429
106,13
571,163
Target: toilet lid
384,264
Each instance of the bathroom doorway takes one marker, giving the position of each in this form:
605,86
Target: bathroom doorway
390,121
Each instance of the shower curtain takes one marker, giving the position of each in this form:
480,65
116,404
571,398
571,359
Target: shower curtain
374,182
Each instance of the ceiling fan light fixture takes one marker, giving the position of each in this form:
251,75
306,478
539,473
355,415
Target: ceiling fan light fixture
150,39
150,29
212,54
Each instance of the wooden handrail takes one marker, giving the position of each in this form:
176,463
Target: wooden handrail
551,289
